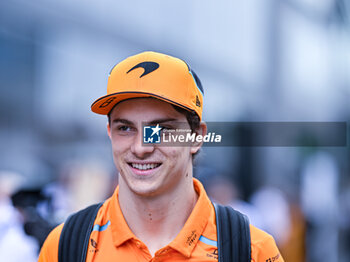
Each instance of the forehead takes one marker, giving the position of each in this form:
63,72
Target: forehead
145,108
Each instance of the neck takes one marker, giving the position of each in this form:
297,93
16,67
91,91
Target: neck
157,220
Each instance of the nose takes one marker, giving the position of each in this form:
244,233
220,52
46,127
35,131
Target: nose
139,149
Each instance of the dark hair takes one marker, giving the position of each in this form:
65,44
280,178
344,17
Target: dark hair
191,116
192,119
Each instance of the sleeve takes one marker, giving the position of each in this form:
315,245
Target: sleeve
263,247
49,251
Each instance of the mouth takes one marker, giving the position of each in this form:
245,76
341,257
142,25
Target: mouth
144,168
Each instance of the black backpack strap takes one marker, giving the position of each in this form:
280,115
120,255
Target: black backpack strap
75,235
233,235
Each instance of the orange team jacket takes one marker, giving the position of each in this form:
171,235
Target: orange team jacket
112,240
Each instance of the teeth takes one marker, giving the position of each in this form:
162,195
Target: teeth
144,166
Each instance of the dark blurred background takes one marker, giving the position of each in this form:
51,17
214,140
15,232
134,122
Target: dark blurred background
276,60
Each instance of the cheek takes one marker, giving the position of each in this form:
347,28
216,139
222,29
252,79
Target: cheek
120,144
118,148
179,156
118,156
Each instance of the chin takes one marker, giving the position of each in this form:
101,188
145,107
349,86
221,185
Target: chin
145,192
143,188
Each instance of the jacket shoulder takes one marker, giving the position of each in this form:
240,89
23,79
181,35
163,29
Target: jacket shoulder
263,246
49,250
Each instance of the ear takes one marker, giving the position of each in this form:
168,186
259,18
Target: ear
202,130
109,130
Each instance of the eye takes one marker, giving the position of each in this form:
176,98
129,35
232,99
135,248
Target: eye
165,127
124,128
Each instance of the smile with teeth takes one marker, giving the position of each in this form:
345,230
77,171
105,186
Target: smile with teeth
144,166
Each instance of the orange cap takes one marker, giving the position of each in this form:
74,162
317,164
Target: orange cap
151,74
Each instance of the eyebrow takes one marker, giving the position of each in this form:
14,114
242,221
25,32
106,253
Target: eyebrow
160,121
153,122
121,120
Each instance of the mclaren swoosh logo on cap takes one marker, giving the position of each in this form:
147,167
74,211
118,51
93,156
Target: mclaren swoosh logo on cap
149,67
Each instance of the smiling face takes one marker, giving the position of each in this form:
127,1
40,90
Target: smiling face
148,170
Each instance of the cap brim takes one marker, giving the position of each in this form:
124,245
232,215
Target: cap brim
105,104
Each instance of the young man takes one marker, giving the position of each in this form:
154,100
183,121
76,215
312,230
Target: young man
159,212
